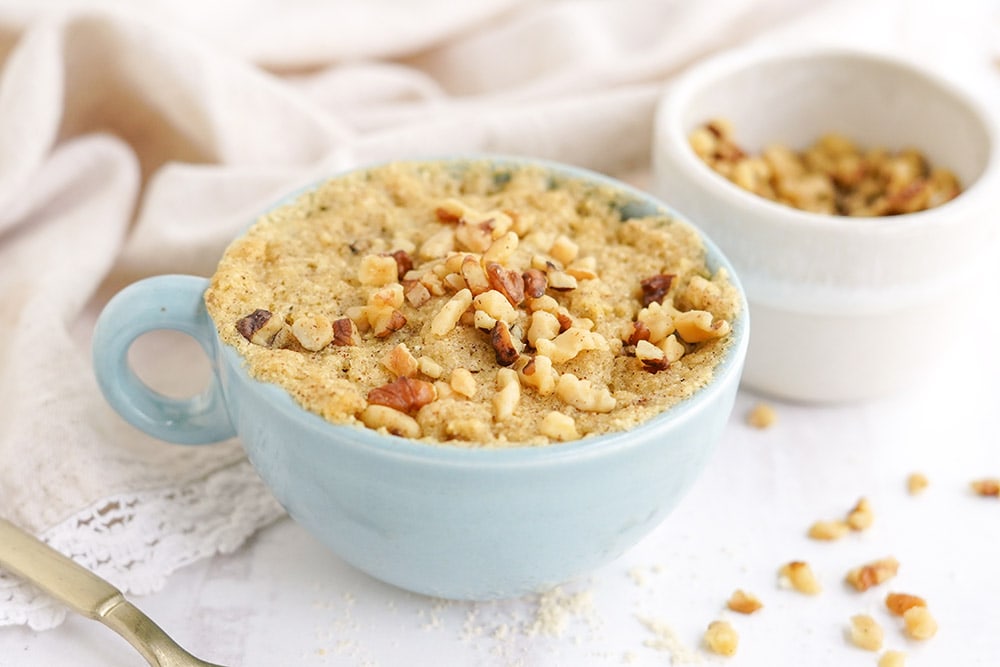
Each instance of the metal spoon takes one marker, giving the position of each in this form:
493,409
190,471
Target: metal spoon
87,594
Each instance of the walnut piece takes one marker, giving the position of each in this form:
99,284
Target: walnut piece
393,421
655,288
799,575
558,426
507,282
916,483
345,332
866,633
261,328
503,347
314,332
919,624
744,603
872,574
721,638
988,487
403,394
762,416
898,603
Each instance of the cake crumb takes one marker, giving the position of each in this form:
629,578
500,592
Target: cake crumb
555,610
666,639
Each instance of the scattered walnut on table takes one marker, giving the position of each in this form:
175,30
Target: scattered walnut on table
872,574
800,576
919,623
762,416
866,633
986,487
721,638
744,603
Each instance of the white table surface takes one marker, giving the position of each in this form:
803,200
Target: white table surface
284,600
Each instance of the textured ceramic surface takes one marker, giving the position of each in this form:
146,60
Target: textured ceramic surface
840,305
446,521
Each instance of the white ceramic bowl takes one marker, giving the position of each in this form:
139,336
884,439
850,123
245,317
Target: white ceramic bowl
843,308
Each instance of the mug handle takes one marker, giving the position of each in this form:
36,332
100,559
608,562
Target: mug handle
163,302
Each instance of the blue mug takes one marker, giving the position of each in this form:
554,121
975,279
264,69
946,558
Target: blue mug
446,521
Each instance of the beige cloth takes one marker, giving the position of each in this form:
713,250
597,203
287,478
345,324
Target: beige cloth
138,138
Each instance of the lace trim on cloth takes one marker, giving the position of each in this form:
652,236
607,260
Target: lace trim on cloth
136,540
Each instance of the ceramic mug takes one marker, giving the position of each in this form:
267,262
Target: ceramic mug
447,521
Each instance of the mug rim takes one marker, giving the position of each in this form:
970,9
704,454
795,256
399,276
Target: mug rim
728,369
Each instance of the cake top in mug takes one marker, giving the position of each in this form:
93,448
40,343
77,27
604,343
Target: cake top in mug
487,304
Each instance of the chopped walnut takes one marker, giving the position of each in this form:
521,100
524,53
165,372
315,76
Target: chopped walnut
832,176
438,244
447,318
828,530
899,603
535,283
400,361
507,282
861,516
799,575
390,296
345,332
417,293
653,358
872,574
404,263
866,633
557,426
539,373
502,248
655,288
392,420
561,281
503,347
721,638
657,320
314,332
696,326
463,382
474,275
918,623
762,416
892,659
508,394
564,250
570,343
261,328
544,326
496,306
986,487
916,483
385,321
429,367
583,395
378,270
403,394
744,603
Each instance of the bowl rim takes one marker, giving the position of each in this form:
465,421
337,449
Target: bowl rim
728,369
671,137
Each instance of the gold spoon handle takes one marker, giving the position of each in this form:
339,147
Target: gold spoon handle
87,594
